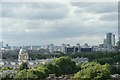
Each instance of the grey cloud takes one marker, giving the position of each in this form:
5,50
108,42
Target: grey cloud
39,11
45,5
70,31
63,32
96,7
110,17
53,19
63,29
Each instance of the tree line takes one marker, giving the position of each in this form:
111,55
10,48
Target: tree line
65,66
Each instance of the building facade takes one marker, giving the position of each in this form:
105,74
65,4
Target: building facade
110,39
51,48
1,44
109,42
23,55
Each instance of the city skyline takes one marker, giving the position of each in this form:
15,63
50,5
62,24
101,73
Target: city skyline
57,23
109,39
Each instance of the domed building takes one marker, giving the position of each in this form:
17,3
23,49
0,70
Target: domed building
23,55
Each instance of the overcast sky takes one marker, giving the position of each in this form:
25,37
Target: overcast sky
38,23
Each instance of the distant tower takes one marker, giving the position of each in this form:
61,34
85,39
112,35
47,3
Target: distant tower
78,46
109,38
51,48
105,42
113,39
110,41
23,55
1,44
118,43
63,48
0,55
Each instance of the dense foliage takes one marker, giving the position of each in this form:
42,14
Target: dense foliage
114,69
102,58
24,74
10,55
51,68
93,71
24,65
66,65
96,69
60,66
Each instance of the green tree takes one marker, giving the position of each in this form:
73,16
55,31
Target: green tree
52,69
25,74
41,74
7,76
42,71
93,71
115,69
79,67
103,61
66,65
23,66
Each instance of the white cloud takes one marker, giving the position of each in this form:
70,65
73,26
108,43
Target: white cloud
35,10
58,22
